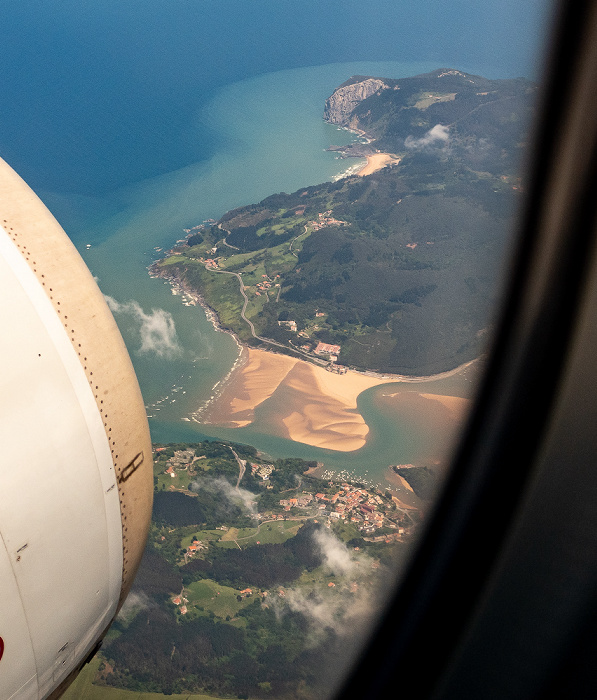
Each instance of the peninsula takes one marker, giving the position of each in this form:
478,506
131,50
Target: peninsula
393,271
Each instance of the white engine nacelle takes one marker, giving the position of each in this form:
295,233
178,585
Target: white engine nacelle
76,477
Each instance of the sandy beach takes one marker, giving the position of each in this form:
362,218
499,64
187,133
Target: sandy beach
260,376
377,161
319,408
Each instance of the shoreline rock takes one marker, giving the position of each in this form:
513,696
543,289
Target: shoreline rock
341,103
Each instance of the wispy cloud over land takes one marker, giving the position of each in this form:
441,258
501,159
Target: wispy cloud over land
336,556
353,600
135,601
436,136
236,496
157,330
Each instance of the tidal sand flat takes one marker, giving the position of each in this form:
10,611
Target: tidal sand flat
322,408
457,405
319,407
313,406
255,380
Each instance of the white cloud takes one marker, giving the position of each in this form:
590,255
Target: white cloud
157,330
353,599
436,136
134,602
336,556
237,496
339,610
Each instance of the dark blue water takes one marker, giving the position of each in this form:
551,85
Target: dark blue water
135,119
96,95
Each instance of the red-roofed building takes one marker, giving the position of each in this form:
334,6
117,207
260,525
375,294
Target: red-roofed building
327,349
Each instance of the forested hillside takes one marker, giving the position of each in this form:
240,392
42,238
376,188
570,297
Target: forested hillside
400,268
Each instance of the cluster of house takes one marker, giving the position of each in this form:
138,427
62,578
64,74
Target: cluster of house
326,349
367,511
195,546
291,325
301,501
359,507
180,601
266,283
325,219
394,537
263,471
332,351
336,369
182,459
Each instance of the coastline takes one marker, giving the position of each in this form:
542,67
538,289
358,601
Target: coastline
306,403
191,297
194,298
377,161
319,408
315,407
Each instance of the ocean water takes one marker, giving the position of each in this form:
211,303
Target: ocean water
404,427
98,95
134,120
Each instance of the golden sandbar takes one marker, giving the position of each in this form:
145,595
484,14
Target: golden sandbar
319,407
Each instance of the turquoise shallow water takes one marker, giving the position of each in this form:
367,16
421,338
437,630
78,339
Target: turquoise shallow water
273,139
134,120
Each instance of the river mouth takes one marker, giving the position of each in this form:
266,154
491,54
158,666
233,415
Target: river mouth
185,356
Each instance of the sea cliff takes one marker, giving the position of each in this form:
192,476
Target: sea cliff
340,105
397,270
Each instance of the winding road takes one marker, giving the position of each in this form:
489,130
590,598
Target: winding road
242,465
295,239
250,323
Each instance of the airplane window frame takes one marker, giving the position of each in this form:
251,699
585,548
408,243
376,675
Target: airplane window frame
420,646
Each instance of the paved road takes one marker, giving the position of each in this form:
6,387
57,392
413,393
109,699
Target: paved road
296,238
242,465
249,322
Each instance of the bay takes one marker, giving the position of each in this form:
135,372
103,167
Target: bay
272,138
134,120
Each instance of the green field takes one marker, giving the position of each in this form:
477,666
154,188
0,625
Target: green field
202,536
269,533
180,481
209,595
266,533
83,689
